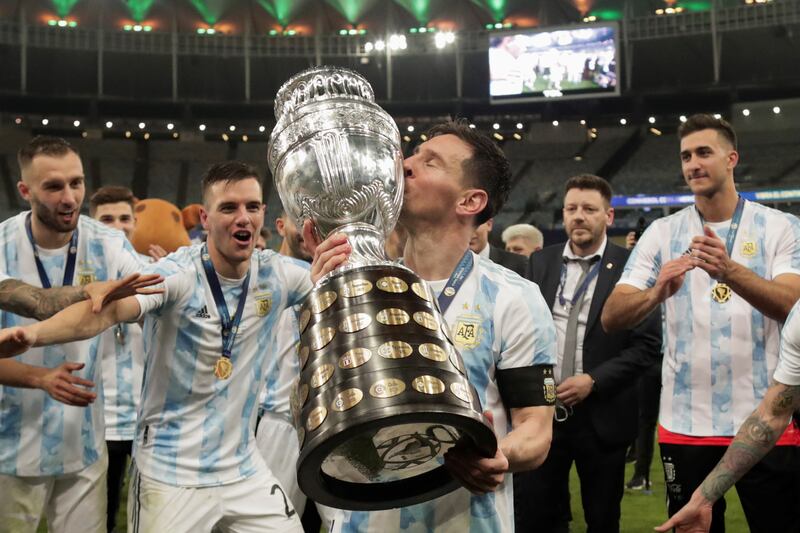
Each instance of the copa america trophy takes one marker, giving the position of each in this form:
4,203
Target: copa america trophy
383,393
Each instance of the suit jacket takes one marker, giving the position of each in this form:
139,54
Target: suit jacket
614,360
511,261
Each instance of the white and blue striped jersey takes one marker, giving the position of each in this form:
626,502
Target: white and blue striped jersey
282,367
122,352
194,429
718,357
497,320
788,371
40,436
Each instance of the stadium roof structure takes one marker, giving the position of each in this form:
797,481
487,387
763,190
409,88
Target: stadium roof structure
188,58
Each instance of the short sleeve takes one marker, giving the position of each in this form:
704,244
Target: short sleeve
644,263
297,279
788,369
787,256
173,287
527,332
128,261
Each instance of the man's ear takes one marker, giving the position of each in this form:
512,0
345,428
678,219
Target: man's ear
472,202
204,218
24,190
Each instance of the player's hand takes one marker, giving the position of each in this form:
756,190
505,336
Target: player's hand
630,240
477,474
671,277
574,389
326,255
14,341
105,292
156,252
709,253
62,385
694,517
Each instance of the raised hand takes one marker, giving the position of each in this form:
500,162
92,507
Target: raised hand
105,292
710,254
671,277
62,385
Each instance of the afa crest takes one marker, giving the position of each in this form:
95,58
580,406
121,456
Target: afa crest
749,249
86,276
468,331
263,303
549,390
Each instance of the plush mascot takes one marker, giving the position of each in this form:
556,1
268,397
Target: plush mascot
159,223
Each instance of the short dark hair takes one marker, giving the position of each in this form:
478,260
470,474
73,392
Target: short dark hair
487,169
227,171
111,194
44,145
703,121
590,182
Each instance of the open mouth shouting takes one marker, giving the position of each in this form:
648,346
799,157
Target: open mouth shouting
243,238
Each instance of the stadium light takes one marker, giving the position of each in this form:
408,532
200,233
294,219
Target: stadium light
498,136
142,125
231,128
410,129
517,136
225,137
109,124
76,123
127,134
555,123
683,118
519,125
746,112
776,110
406,138
175,135
202,127
18,120
496,126
146,136
583,122
262,129
245,138
170,126
651,120
472,126
398,42
423,137
380,46
623,121
369,47
717,116
45,122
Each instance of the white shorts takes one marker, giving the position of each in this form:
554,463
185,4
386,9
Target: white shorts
255,504
276,439
71,502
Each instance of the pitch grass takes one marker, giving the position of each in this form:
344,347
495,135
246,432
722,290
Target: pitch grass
641,511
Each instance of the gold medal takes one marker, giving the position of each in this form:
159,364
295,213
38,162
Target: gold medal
223,368
721,292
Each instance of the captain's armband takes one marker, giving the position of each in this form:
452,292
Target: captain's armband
527,386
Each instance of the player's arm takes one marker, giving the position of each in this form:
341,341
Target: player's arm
528,443
59,382
26,300
78,322
755,438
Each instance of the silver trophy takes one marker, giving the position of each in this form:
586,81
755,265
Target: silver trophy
383,393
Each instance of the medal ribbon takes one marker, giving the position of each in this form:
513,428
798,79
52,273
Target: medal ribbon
229,327
734,229
72,254
586,281
463,268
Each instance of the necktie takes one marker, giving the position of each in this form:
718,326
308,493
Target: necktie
571,336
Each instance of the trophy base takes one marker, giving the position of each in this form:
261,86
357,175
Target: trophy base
383,393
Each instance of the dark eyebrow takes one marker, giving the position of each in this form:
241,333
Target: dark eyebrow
433,154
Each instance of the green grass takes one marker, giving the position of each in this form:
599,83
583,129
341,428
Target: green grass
640,512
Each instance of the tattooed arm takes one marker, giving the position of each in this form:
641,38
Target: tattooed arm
755,438
33,302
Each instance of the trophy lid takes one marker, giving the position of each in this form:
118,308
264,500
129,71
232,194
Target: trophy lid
318,84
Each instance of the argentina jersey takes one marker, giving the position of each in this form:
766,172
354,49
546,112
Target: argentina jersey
194,429
122,353
40,436
720,352
788,370
497,320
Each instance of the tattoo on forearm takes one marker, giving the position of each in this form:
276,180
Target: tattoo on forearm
755,438
33,302
788,398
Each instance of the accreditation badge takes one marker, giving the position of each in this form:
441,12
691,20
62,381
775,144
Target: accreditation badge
263,303
468,331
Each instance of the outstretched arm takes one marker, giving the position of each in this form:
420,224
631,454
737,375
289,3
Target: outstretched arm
755,438
58,382
26,300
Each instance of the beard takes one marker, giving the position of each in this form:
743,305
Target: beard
50,219
297,249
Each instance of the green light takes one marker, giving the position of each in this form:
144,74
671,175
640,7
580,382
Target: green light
63,7
352,10
695,6
291,32
72,24
273,32
607,14
497,8
420,9
353,32
412,30
282,10
138,8
342,32
210,16
362,32
201,31
52,22
490,26
148,28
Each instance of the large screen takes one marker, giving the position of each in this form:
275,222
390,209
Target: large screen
557,63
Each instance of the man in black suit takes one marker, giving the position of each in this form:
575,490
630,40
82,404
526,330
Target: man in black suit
479,243
596,372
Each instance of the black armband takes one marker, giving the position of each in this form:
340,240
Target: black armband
527,386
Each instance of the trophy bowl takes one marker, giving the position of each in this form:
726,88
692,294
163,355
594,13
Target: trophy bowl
382,393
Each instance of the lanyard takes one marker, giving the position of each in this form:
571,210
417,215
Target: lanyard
72,253
737,218
585,285
229,327
457,278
